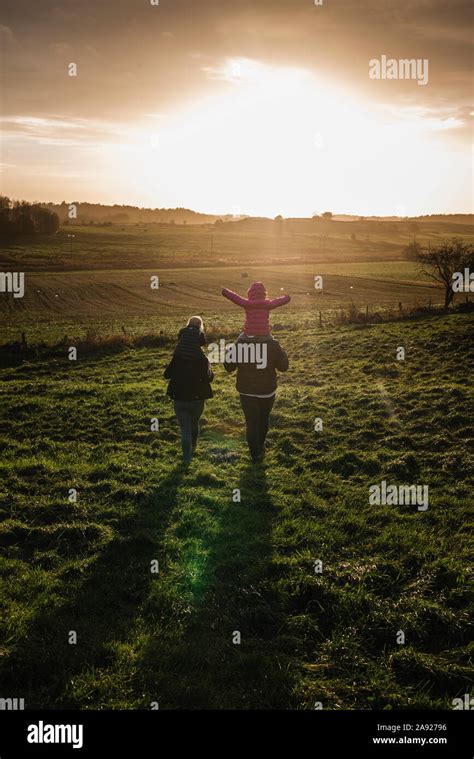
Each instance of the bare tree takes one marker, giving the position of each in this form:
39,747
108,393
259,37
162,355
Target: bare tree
442,262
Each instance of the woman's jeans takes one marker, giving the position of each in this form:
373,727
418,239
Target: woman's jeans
188,414
256,412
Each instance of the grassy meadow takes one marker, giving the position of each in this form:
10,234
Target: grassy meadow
227,566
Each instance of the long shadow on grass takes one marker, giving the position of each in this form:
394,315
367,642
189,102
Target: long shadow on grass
199,665
101,608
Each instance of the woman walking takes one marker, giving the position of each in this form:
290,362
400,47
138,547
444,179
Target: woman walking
190,377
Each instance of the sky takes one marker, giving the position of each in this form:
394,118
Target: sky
259,107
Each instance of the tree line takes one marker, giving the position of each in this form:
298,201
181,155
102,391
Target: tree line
18,218
87,213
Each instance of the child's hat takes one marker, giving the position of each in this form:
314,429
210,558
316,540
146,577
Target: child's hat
257,290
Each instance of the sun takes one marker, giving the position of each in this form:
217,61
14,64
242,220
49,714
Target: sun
279,140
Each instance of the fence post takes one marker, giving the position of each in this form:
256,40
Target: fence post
367,311
24,344
320,319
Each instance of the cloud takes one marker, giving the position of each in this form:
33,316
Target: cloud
61,48
6,35
55,131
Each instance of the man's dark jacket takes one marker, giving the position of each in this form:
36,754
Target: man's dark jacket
251,379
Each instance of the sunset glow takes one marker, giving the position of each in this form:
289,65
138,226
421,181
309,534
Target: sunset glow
259,135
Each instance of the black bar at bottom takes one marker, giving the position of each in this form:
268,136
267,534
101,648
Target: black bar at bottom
143,733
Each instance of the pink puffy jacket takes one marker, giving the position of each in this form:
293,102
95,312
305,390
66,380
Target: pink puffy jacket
257,307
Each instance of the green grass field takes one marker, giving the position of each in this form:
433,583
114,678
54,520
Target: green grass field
227,566
102,281
246,242
248,566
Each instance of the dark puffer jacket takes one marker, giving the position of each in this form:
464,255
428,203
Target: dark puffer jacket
190,379
254,381
189,341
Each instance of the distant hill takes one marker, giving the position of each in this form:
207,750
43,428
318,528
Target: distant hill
455,218
97,213
123,214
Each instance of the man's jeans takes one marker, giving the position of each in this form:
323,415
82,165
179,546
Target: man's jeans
256,412
188,414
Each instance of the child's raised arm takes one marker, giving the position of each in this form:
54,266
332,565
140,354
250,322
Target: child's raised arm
230,295
277,302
